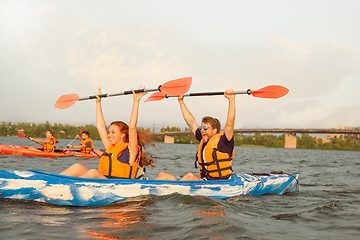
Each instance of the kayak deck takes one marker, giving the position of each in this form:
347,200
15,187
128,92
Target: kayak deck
64,190
21,150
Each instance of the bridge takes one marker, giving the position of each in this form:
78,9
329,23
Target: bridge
290,133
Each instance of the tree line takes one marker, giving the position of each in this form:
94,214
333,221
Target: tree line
38,130
63,131
305,141
67,131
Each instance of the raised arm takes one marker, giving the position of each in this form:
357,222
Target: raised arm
133,136
188,117
100,122
230,121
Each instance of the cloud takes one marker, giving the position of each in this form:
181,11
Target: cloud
100,56
121,60
75,52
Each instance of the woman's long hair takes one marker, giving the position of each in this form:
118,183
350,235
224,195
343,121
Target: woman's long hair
52,134
144,141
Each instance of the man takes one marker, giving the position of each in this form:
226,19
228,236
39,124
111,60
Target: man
216,149
87,144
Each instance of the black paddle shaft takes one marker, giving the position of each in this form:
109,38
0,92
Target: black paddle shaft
212,93
105,95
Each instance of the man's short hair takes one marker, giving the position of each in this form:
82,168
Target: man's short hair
86,132
214,122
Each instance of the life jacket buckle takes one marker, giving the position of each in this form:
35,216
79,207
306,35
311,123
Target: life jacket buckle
107,154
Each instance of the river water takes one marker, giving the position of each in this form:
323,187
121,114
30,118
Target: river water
327,205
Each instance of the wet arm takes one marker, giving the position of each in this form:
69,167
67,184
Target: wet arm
100,123
188,117
230,122
133,136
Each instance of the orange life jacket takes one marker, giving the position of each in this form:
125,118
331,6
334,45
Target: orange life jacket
111,167
86,150
216,164
47,147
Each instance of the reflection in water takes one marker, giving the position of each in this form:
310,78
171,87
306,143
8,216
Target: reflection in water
213,221
124,220
29,211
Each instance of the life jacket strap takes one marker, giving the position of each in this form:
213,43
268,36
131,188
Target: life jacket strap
196,160
212,163
86,150
111,177
110,163
204,171
110,155
215,170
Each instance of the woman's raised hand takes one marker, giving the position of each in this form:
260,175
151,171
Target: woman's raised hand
228,94
98,99
139,95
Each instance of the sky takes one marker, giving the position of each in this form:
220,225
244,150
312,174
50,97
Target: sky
311,47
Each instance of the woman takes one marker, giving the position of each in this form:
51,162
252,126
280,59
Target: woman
124,147
48,145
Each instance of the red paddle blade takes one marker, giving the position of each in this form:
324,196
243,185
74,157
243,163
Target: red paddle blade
66,101
176,87
157,96
272,91
21,134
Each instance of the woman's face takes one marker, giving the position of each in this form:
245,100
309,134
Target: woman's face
48,134
115,136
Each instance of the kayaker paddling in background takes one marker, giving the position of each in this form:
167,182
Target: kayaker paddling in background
124,147
216,149
48,145
87,144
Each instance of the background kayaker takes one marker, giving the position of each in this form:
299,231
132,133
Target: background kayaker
87,144
124,147
214,165
48,145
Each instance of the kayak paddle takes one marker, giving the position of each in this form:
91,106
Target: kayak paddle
271,91
22,135
172,88
72,141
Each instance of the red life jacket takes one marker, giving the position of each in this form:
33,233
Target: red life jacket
216,164
111,167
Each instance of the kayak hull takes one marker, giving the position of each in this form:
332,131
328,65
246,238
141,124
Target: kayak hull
64,190
21,150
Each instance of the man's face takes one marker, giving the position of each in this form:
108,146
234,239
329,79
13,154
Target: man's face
207,131
83,136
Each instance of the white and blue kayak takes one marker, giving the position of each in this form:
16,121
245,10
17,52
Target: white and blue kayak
63,190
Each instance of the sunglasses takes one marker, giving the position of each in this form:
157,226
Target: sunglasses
205,127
